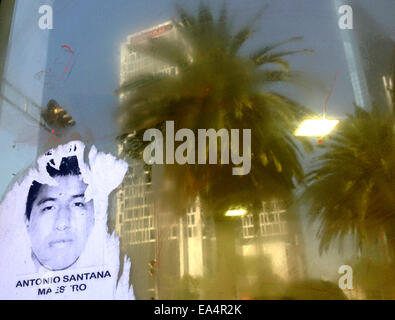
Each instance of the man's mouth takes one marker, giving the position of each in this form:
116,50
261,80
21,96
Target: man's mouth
61,243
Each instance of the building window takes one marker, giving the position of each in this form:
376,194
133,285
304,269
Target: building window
150,224
191,219
129,214
174,231
273,222
248,226
191,232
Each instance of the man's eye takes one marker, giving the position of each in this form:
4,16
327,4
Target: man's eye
79,204
47,208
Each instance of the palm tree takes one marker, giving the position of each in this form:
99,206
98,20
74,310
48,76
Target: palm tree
352,187
374,276
218,87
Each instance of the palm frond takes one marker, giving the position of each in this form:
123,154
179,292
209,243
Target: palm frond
266,49
185,18
218,88
245,32
276,58
350,187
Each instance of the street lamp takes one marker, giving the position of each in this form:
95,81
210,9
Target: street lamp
317,127
235,212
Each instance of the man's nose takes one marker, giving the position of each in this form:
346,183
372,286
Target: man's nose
62,222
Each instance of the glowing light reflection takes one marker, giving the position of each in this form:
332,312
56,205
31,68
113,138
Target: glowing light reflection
235,212
318,128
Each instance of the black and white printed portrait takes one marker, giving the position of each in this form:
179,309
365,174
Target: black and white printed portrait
53,226
59,220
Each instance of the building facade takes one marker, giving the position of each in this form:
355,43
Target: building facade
369,54
186,243
137,216
274,236
21,94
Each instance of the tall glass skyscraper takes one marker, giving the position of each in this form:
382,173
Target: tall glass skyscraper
369,53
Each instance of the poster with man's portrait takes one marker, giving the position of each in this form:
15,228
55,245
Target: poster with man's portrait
53,225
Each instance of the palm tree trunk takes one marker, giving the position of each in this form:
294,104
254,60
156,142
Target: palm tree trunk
385,246
226,258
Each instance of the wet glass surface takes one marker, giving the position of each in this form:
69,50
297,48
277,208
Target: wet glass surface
312,216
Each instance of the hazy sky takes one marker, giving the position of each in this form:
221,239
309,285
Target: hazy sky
95,29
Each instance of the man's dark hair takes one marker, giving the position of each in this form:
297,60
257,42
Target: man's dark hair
68,167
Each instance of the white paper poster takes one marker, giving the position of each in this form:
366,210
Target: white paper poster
54,242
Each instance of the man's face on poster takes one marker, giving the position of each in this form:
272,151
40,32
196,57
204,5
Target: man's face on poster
60,222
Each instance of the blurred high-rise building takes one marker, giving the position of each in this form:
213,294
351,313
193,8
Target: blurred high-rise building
189,241
21,88
137,217
135,63
369,54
